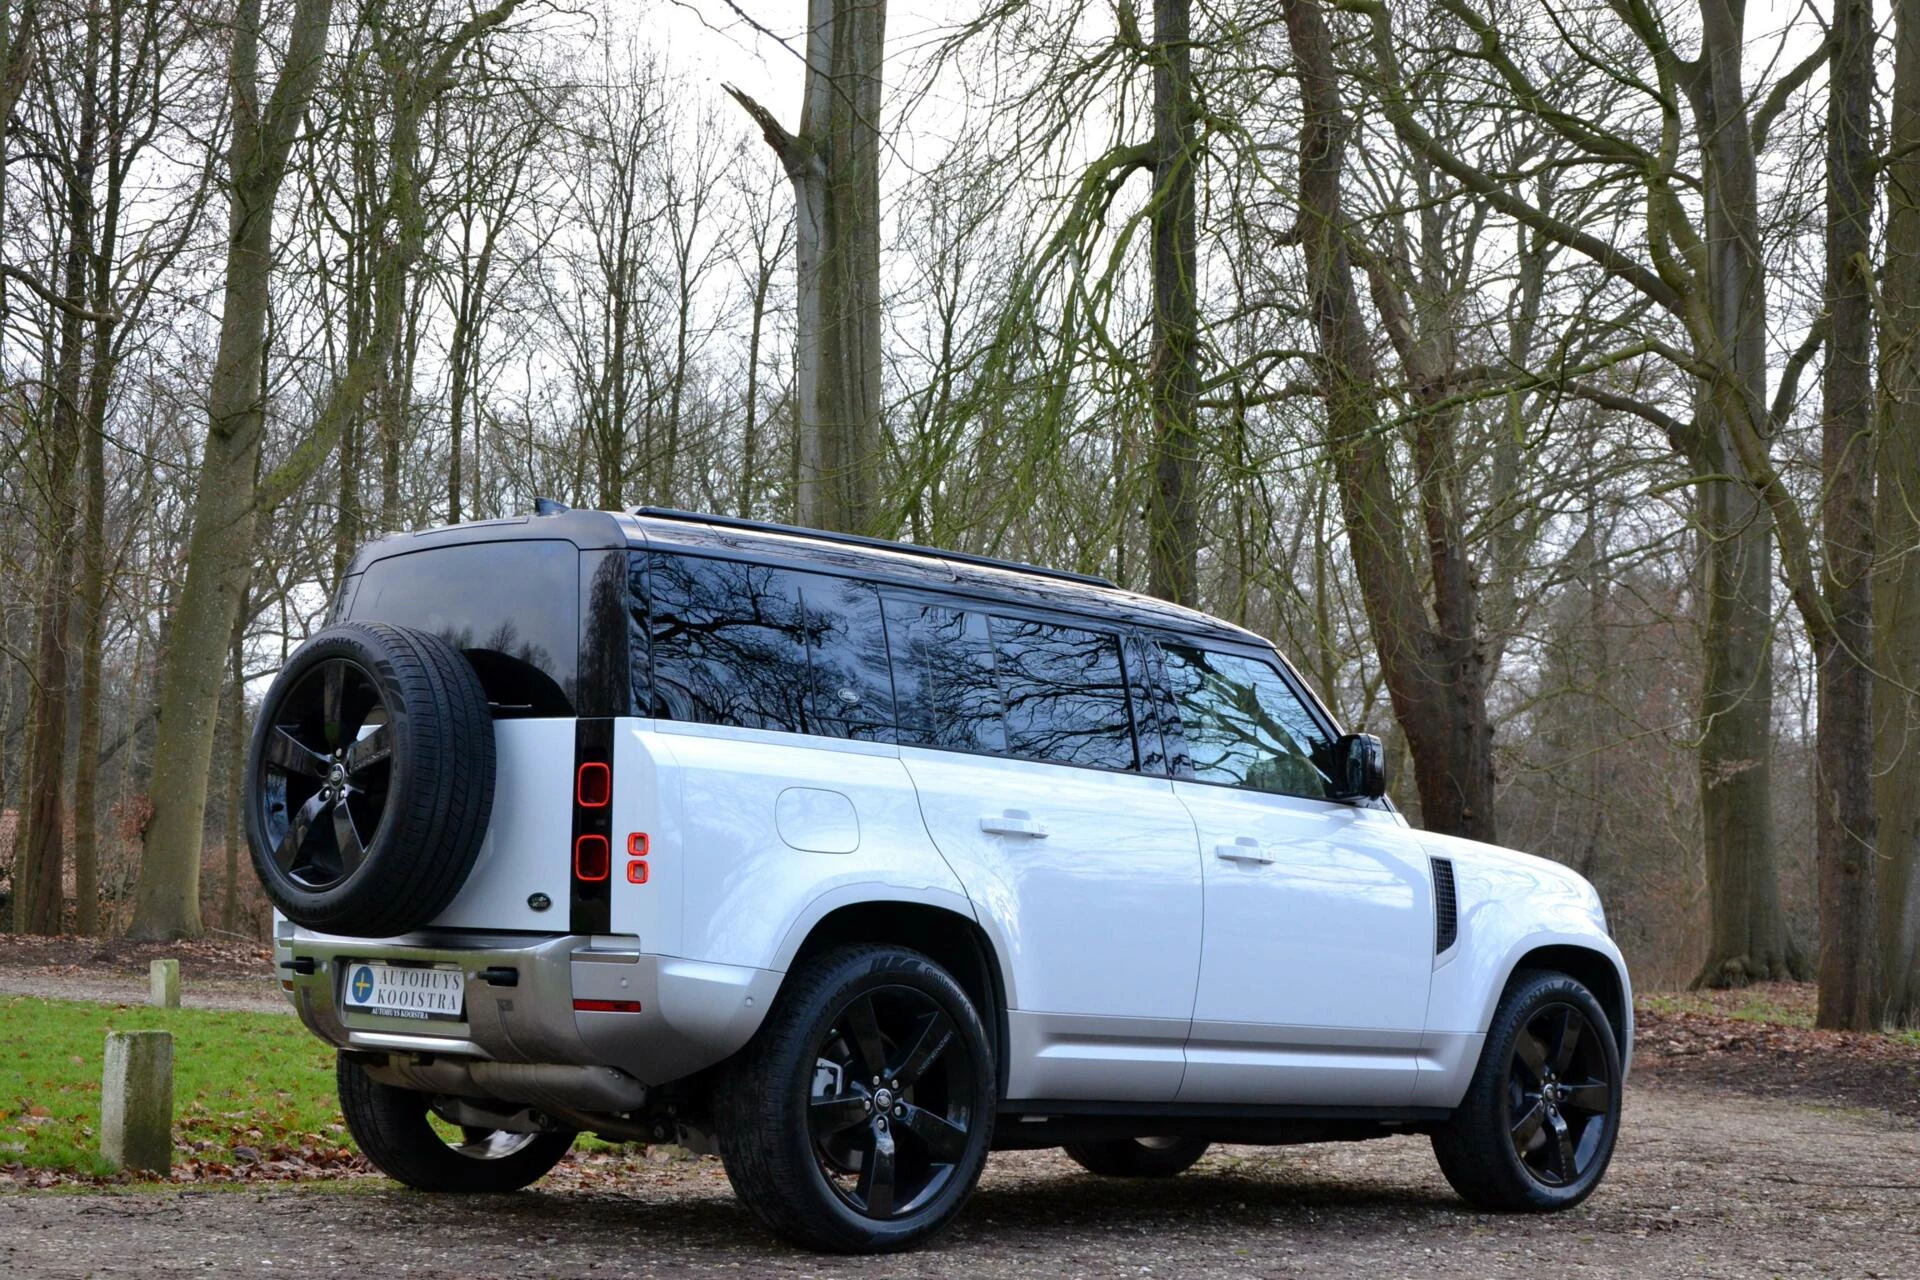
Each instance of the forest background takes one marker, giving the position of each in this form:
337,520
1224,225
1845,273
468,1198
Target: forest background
1543,376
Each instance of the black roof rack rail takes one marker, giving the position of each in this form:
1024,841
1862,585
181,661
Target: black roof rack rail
860,540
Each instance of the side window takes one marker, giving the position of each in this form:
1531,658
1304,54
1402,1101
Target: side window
729,644
1065,693
1243,725
943,677
847,649
763,648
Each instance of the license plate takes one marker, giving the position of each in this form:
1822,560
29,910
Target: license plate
396,991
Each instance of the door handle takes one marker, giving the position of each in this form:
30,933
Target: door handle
1245,849
1014,822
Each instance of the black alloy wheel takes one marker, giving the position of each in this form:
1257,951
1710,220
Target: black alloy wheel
891,1107
1559,1095
370,780
401,1133
858,1118
1541,1115
326,765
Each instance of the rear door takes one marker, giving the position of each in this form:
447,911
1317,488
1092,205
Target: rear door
1319,916
1019,735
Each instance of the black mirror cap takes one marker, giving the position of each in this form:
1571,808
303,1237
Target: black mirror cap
1360,767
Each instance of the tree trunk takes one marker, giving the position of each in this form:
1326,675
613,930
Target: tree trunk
1896,602
40,864
220,544
1173,380
834,165
1435,678
1844,791
236,832
1748,933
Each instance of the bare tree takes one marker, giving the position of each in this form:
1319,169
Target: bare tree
1896,601
834,165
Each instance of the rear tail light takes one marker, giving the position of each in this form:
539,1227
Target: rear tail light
590,906
593,785
592,860
606,1006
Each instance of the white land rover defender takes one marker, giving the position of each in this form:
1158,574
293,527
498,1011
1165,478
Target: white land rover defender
854,860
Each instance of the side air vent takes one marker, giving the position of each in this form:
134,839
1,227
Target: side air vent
1446,907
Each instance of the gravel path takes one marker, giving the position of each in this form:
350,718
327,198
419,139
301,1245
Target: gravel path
1703,1186
245,995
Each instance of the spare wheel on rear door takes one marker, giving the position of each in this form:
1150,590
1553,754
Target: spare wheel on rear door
370,780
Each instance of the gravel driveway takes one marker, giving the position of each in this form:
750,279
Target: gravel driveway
1703,1186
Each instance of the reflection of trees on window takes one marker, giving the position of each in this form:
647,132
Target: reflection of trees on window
729,644
1065,694
763,648
847,650
943,677
1243,725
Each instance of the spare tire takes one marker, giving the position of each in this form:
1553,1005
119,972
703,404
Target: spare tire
370,780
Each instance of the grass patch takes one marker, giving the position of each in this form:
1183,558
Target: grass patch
240,1080
1769,1004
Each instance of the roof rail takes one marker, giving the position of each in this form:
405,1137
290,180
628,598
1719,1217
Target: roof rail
860,540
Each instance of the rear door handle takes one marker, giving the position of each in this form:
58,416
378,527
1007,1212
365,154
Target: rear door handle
1014,822
1245,849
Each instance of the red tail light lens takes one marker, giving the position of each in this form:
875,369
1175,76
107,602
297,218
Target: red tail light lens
637,844
636,872
606,1006
592,858
593,785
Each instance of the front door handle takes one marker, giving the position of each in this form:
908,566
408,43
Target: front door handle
1245,849
1014,822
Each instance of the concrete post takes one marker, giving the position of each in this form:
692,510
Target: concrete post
136,1101
163,984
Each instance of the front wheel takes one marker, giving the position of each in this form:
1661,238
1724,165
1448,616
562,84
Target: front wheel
1538,1124
1137,1157
858,1118
394,1131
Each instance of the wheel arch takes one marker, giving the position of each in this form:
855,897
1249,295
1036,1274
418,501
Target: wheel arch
951,939
1599,972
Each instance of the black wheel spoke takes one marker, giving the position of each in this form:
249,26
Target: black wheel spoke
1595,1096
1571,1030
285,752
333,698
287,852
1527,1125
936,1033
1560,1146
867,1043
347,837
877,1176
1531,1052
945,1141
830,1116
375,748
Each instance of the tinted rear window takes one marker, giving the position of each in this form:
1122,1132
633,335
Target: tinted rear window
1065,694
764,648
943,675
512,607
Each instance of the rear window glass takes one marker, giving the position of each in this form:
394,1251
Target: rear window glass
943,675
757,647
1065,694
512,607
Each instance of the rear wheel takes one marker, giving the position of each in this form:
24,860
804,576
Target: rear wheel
858,1118
1538,1124
397,1131
1137,1157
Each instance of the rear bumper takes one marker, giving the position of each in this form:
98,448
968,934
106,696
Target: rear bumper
692,1014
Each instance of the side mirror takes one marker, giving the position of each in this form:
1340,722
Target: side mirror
1359,767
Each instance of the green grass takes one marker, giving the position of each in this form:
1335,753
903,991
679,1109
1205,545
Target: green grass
1751,1005
255,1080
